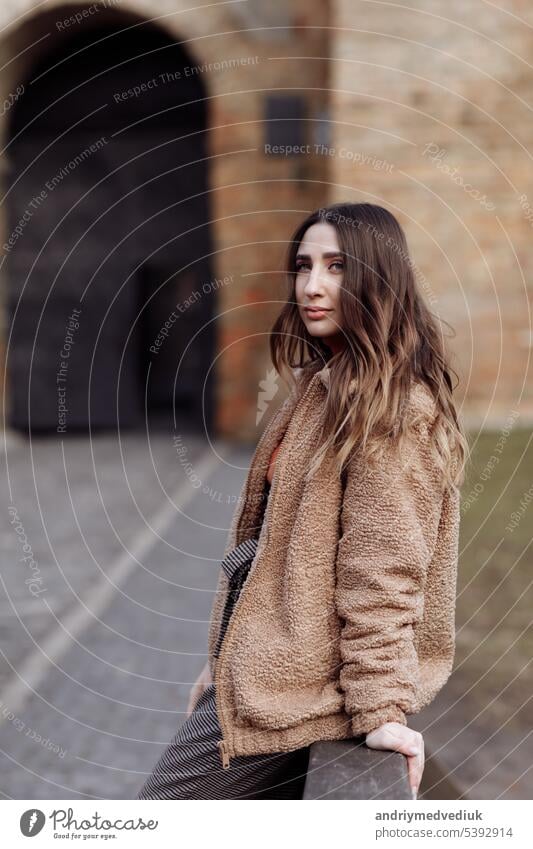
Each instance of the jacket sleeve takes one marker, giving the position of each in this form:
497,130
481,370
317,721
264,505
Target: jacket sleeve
389,522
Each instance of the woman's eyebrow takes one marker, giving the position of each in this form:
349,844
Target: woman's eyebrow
326,255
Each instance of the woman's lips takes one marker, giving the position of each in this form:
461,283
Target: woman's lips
316,314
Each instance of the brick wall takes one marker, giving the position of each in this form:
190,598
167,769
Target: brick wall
437,98
429,116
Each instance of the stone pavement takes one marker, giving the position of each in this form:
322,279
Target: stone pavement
103,627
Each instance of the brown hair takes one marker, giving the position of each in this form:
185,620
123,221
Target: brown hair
392,338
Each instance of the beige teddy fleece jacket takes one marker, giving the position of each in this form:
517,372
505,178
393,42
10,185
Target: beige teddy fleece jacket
346,619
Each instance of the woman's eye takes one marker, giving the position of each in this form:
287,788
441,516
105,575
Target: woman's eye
338,263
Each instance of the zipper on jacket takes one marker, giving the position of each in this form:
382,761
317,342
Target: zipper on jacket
241,506
222,744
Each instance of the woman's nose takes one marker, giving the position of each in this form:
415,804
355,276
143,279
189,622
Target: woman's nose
314,281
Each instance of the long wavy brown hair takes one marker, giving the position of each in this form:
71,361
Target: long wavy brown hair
392,338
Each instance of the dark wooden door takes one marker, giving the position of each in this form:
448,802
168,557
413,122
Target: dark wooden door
108,214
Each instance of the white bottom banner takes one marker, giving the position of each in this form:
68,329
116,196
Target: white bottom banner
356,823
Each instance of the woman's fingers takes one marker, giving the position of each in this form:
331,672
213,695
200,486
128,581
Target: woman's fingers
190,704
196,691
415,766
399,738
393,735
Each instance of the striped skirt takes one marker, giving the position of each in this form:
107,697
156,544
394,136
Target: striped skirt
191,768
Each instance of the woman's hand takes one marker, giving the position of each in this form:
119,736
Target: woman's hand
203,681
399,738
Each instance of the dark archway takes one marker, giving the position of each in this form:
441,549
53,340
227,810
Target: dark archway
86,231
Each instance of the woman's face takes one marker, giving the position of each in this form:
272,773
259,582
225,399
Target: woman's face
319,276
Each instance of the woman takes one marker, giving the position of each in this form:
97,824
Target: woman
334,613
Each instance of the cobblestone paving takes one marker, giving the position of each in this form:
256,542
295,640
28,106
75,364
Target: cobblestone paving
114,686
99,717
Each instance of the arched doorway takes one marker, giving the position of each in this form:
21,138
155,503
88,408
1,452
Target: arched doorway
108,234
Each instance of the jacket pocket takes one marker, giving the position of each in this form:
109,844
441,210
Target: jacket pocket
261,708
